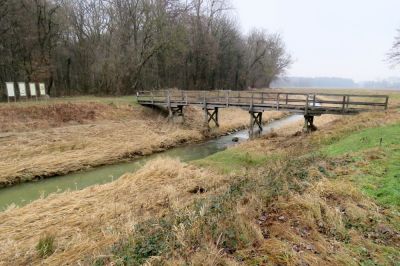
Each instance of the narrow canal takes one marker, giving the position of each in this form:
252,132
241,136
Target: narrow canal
24,193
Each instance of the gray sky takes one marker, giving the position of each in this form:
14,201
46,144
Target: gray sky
344,38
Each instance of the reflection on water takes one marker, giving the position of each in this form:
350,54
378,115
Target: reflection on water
24,193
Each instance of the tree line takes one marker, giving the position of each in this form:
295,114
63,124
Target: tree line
121,46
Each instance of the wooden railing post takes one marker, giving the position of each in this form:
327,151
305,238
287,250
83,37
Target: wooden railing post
186,97
314,102
205,110
227,98
168,99
344,103
277,101
306,107
386,102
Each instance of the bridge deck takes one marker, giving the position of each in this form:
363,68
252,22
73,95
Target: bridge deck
255,101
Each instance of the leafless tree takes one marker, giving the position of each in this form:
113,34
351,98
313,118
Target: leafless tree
394,54
119,46
267,58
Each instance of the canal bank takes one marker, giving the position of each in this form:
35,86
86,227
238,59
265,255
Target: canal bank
24,193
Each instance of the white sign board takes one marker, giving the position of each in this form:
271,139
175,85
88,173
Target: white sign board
22,89
42,89
32,89
10,89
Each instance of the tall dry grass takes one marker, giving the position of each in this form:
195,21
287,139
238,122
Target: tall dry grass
110,135
84,223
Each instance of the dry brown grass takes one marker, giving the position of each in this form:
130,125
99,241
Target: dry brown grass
86,222
19,118
310,228
76,140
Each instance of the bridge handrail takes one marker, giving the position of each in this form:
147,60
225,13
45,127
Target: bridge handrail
345,102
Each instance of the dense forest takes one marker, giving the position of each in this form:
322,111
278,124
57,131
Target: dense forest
120,46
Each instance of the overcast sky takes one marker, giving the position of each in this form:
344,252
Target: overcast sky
343,38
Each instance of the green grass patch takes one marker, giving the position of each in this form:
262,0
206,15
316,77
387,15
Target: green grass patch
46,246
365,139
232,159
379,177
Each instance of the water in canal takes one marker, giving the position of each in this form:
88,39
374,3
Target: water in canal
24,193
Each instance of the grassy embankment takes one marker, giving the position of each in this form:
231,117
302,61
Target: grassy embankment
331,199
54,137
276,200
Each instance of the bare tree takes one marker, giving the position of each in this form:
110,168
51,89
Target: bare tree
267,58
394,54
119,46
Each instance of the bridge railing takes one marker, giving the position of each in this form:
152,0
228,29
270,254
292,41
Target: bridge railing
304,102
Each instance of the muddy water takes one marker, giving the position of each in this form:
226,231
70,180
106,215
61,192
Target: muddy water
24,193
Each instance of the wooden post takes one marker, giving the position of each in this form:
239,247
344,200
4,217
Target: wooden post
314,100
170,113
186,98
214,116
309,124
251,127
205,110
255,119
306,107
344,104
277,101
386,102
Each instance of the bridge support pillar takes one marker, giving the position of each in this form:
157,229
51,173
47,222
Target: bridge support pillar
309,124
211,114
175,112
255,120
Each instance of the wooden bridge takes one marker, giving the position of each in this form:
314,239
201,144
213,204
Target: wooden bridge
256,102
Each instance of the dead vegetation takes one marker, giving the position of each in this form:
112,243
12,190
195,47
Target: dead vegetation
288,211
84,223
19,118
294,209
61,138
